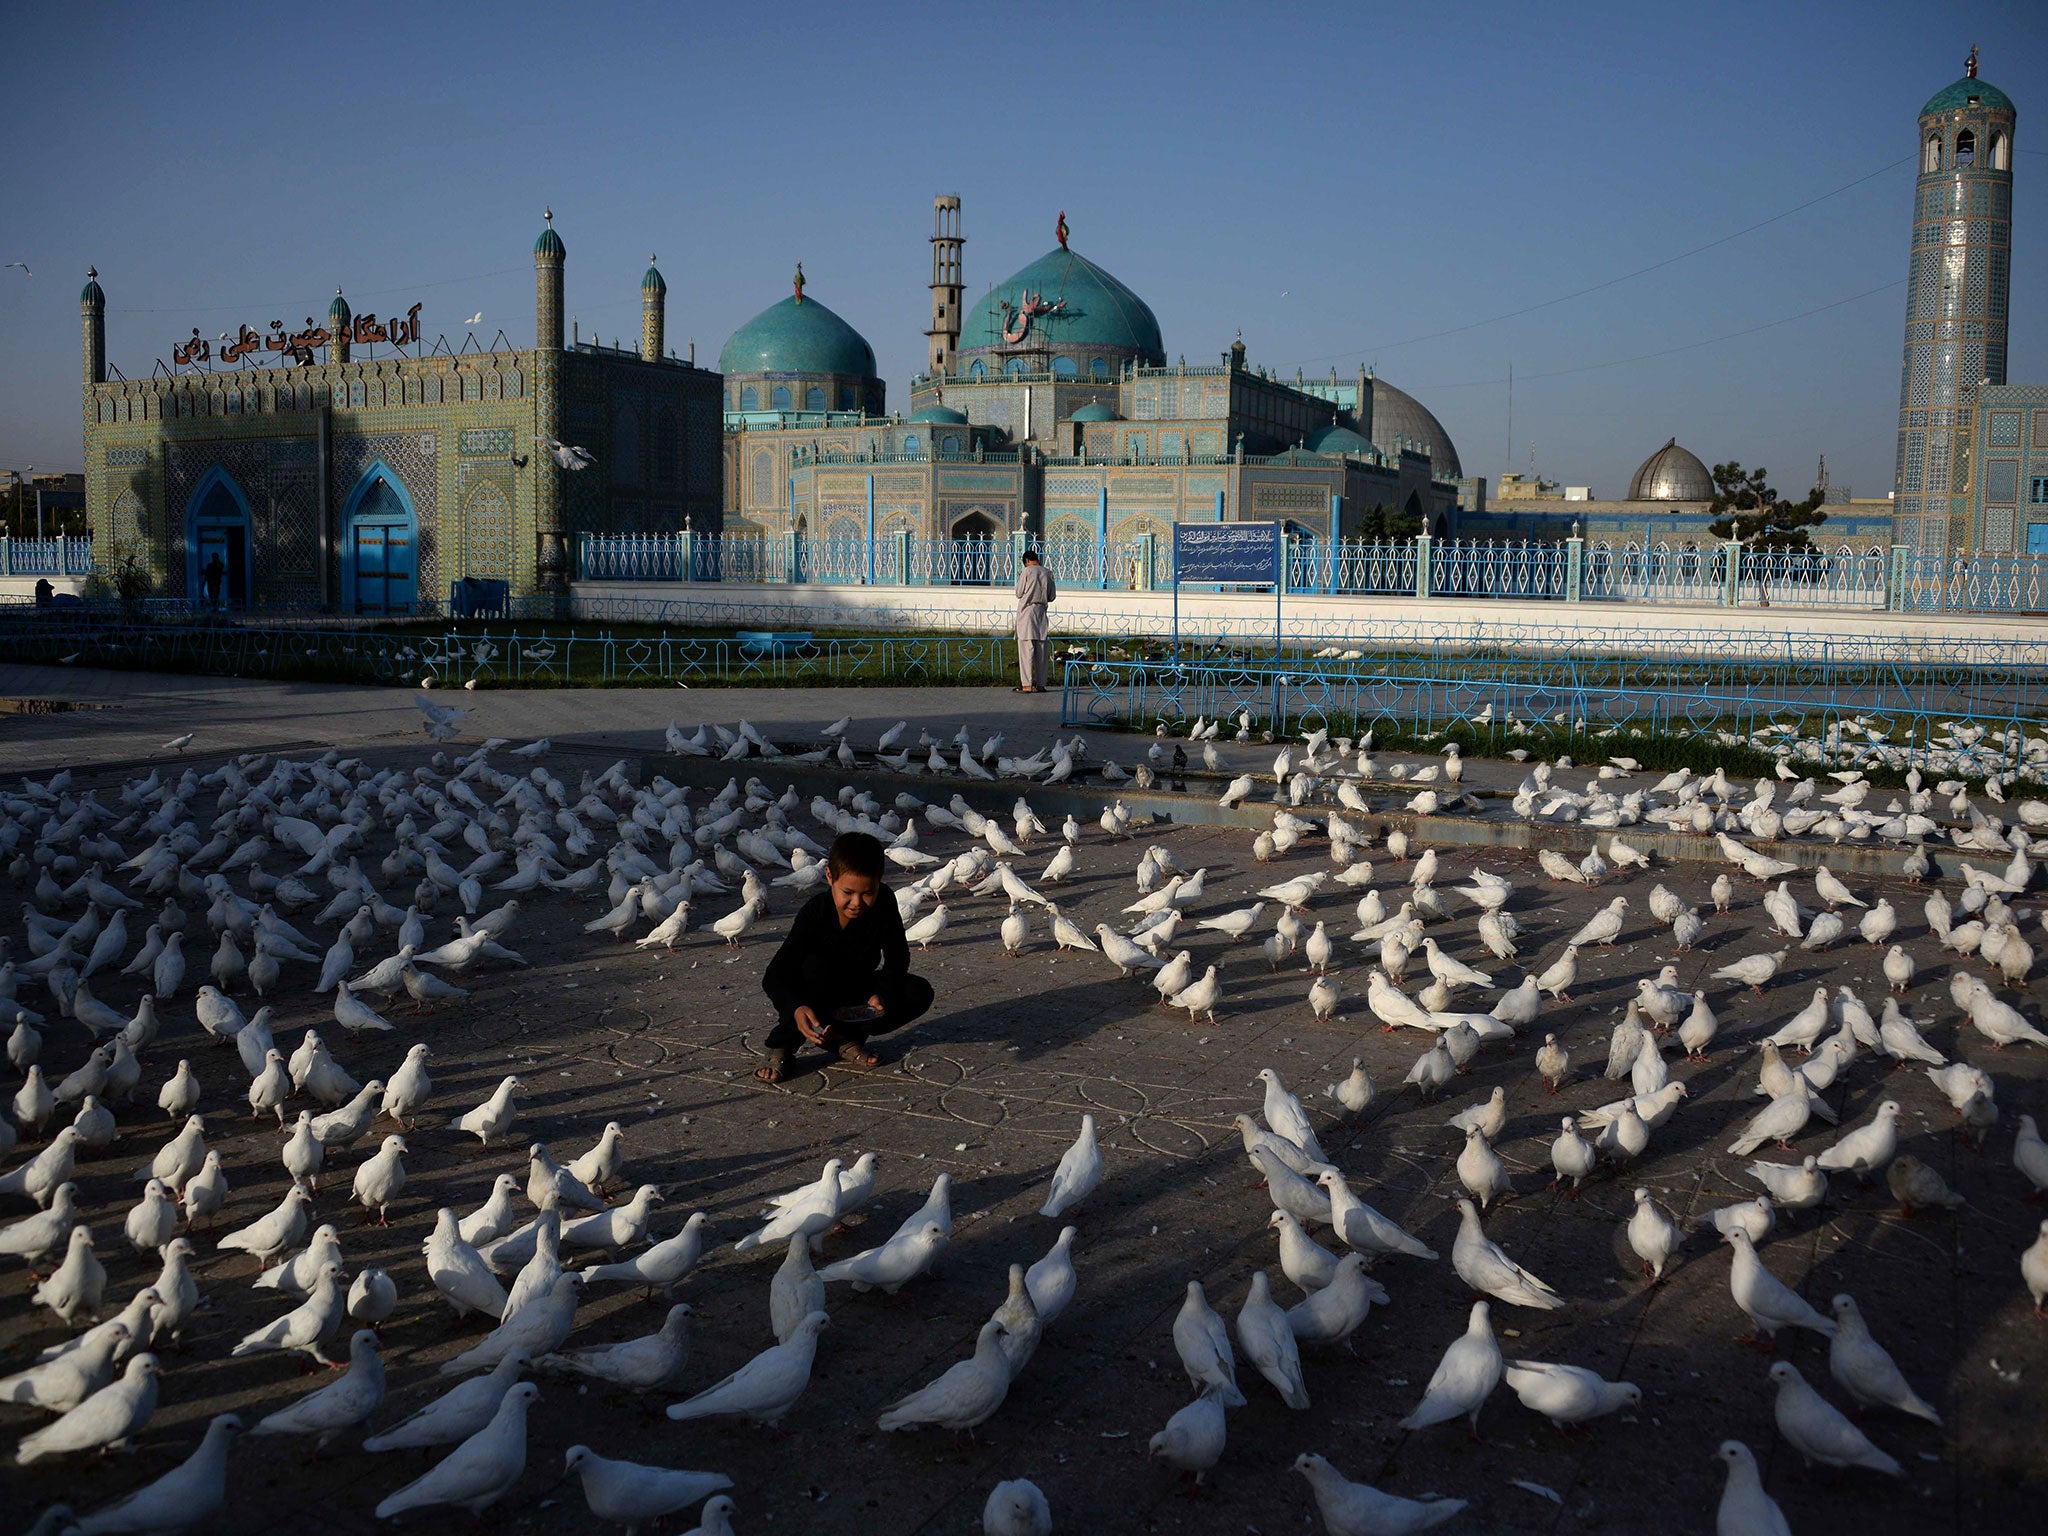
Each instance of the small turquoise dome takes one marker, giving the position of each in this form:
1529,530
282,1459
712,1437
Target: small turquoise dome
1957,96
653,282
1340,439
338,312
792,337
1097,310
940,415
1095,410
91,292
548,243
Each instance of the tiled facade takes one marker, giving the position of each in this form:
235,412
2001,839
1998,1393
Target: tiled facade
448,442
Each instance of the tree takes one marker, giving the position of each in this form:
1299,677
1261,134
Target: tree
1747,510
1384,524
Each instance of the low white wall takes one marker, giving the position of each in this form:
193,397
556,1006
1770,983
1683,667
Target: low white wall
1307,619
16,587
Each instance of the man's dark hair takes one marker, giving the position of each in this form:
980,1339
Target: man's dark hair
854,853
1031,557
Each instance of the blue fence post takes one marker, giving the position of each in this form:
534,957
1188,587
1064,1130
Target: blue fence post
686,542
1895,579
1732,578
1336,538
1102,537
1423,574
1574,566
789,557
903,557
871,530
1144,582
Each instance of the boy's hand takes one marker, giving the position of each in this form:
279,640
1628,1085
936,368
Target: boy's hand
810,1026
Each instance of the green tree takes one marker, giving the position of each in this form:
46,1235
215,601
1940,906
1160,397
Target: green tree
1746,509
1384,524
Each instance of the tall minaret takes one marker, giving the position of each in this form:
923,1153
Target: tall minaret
548,255
92,325
1957,289
944,336
653,304
339,332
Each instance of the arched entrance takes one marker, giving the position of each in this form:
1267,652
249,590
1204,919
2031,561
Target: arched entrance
379,537
971,552
217,528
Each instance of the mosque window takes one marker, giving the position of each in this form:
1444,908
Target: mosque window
780,399
910,443
1930,154
2001,152
1014,367
2037,494
1966,148
750,399
977,371
1063,367
949,445
814,399
1098,367
846,397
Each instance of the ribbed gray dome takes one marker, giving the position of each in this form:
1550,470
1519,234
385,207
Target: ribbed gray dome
1399,419
1672,474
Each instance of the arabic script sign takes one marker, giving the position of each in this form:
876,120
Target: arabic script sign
1246,554
299,346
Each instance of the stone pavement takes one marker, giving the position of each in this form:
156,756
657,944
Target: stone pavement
989,1089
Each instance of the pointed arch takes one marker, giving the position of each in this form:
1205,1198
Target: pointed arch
379,544
217,523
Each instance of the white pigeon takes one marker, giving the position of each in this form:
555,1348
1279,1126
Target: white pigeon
1768,1302
1464,1378
1745,1509
186,1498
1079,1171
457,1413
643,1364
479,1471
1481,1264
1862,1367
1359,1509
1267,1339
767,1386
111,1416
340,1405
632,1493
491,1119
1568,1394
1818,1431
539,1327
966,1395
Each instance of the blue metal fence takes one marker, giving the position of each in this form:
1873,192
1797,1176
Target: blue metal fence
45,557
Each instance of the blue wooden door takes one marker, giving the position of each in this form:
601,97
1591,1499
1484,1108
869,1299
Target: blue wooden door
383,568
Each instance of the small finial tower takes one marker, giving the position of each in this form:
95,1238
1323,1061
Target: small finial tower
92,325
653,304
943,339
548,256
339,322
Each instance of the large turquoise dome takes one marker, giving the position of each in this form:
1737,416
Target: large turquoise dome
792,337
1096,311
1957,96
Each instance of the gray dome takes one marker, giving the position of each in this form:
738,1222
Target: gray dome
1671,474
1398,418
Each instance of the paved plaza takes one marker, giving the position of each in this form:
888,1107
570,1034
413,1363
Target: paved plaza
989,1089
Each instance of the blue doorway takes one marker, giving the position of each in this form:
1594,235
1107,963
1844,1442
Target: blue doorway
379,540
217,566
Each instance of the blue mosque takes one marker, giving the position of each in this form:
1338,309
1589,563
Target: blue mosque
1050,409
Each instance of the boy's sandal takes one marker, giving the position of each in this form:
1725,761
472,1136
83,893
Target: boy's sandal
775,1068
854,1054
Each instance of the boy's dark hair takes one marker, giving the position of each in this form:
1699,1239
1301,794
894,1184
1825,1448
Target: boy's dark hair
1031,557
854,853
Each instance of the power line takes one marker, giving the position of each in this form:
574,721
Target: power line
1690,346
378,293
1579,293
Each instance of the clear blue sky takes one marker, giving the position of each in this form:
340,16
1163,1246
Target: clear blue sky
1337,180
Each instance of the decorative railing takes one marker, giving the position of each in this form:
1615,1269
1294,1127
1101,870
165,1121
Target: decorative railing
62,556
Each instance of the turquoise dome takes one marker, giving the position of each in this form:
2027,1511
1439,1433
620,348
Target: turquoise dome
91,292
338,311
1958,95
1099,311
789,337
1095,410
550,244
1340,439
940,415
653,282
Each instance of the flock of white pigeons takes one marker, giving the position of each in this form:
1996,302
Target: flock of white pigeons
136,889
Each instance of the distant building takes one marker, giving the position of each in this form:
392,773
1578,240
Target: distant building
366,473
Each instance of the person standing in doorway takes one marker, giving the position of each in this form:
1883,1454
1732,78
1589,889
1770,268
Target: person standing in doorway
212,577
1035,589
